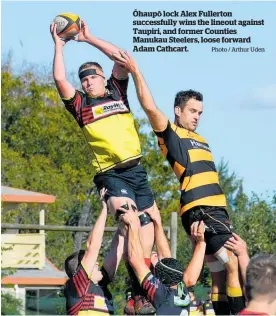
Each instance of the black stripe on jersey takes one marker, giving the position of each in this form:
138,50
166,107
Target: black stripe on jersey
202,166
170,159
200,192
198,167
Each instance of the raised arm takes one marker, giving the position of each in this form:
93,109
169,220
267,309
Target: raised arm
135,250
65,89
94,242
107,48
192,272
162,245
158,120
113,258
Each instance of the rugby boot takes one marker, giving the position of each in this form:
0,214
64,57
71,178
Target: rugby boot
142,306
129,308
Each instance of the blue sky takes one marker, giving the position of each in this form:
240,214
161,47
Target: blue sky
239,88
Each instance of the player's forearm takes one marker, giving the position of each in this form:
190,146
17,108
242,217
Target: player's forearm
135,250
107,48
96,236
162,245
192,272
113,258
143,92
58,66
243,263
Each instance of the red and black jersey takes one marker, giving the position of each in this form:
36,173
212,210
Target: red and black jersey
84,297
162,297
84,108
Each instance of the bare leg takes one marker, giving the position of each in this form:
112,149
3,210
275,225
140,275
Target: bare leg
218,297
234,288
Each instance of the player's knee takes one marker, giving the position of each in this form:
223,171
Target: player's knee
114,203
232,265
227,259
218,281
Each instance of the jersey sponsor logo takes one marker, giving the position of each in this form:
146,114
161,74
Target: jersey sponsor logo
111,107
196,144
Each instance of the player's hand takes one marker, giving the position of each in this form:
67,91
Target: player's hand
237,245
84,33
102,198
129,217
125,60
154,213
200,232
56,38
197,231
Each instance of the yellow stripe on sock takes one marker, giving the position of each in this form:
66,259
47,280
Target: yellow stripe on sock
218,297
234,291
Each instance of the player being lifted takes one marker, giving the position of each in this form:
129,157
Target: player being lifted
103,113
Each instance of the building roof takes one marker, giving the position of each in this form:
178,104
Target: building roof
14,195
49,275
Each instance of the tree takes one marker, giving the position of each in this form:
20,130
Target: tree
41,153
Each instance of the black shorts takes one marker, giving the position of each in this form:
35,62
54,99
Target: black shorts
217,225
129,182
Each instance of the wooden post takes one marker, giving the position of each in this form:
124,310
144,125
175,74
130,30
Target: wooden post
42,248
42,219
173,233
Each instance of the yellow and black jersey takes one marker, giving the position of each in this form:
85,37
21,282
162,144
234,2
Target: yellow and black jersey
191,159
108,125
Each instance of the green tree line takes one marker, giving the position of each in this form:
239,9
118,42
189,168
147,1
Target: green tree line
44,150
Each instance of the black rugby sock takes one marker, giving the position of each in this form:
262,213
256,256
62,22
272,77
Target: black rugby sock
220,304
236,300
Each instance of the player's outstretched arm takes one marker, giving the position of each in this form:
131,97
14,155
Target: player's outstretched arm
135,250
162,245
94,242
114,256
107,48
157,119
192,272
65,89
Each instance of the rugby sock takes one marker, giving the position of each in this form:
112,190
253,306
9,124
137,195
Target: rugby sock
236,299
220,304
